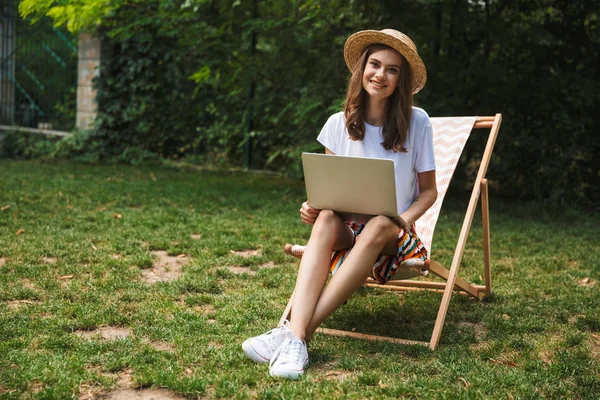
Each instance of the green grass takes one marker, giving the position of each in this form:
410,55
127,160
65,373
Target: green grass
538,337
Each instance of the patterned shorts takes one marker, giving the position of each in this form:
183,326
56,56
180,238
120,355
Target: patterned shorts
410,248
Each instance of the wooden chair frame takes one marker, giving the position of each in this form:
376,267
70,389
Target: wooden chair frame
453,281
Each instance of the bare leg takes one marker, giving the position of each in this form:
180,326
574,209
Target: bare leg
329,233
378,237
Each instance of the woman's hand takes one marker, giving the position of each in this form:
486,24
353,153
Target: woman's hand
427,196
308,214
402,223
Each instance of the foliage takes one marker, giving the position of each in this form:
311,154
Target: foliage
206,80
16,144
147,100
79,15
155,51
82,145
536,62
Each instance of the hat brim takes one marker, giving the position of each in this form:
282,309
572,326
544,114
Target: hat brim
357,42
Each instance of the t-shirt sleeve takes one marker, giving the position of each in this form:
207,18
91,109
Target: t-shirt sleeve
330,134
425,158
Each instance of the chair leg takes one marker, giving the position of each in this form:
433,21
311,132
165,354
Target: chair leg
287,312
466,286
441,317
485,218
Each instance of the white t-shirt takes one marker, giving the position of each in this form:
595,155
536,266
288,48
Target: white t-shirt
418,158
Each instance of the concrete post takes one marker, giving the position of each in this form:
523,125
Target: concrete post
7,69
88,68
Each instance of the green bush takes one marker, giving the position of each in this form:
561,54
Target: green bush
230,82
16,144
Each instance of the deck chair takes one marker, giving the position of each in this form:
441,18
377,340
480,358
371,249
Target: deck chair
449,137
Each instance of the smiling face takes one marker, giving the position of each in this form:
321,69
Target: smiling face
382,73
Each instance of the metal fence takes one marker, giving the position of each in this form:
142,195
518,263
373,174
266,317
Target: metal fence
38,73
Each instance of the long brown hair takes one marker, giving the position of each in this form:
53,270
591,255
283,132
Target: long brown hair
398,107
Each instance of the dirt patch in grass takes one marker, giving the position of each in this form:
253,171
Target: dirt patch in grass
546,356
215,345
246,253
507,358
124,380
327,372
211,393
67,280
480,347
49,260
142,394
26,283
586,282
196,236
16,304
3,261
125,390
106,333
162,346
574,318
90,390
595,346
207,309
550,342
165,268
336,375
239,270
479,329
34,387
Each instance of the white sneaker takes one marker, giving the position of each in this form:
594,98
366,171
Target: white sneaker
260,348
290,358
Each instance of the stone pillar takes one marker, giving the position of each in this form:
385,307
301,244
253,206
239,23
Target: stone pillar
88,68
7,57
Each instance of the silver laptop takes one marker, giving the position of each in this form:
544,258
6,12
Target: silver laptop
356,188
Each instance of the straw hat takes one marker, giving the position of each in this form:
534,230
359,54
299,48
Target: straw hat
394,39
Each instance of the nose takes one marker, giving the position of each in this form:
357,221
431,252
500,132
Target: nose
379,74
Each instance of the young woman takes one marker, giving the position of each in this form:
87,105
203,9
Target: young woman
379,120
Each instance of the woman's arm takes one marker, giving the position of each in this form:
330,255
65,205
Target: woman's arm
425,199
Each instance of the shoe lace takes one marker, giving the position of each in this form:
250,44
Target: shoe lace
290,351
268,336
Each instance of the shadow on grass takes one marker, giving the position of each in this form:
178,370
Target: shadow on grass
409,316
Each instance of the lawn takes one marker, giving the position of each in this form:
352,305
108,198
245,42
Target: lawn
121,281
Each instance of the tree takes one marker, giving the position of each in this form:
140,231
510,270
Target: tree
177,77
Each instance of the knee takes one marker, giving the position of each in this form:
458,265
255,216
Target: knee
327,217
381,223
379,230
326,222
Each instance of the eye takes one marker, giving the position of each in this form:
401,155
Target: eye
394,70
373,63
